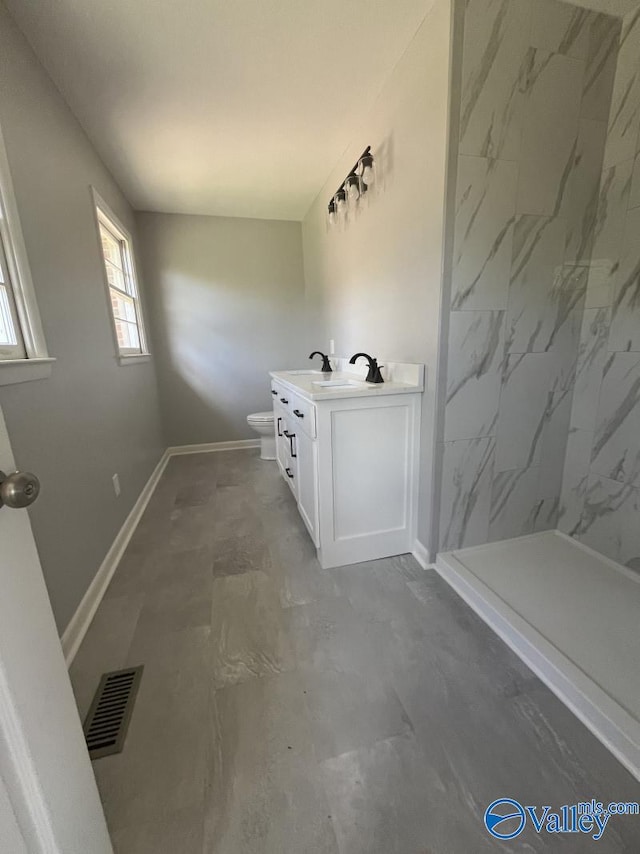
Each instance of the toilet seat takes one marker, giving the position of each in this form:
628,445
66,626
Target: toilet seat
260,417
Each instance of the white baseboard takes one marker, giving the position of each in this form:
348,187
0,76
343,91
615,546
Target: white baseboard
236,445
74,634
421,554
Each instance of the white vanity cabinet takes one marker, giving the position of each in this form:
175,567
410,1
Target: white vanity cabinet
350,457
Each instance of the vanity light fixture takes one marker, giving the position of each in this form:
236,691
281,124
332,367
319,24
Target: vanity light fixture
354,186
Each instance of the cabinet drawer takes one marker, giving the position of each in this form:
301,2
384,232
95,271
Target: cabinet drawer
282,397
303,415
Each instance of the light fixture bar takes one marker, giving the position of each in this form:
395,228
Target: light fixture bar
355,172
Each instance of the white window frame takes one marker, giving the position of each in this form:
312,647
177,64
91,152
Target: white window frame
34,362
105,215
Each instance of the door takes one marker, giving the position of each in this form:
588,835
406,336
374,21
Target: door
48,794
306,449
12,839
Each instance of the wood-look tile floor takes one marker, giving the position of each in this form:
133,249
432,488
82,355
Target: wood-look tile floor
287,709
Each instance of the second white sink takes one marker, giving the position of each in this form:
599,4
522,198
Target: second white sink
336,383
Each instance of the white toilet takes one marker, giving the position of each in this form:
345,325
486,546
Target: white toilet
262,423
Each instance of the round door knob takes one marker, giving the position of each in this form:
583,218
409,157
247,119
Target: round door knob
19,489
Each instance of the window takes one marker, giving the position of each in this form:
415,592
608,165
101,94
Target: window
122,287
23,352
11,343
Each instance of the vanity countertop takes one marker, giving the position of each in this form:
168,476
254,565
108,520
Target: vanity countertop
305,383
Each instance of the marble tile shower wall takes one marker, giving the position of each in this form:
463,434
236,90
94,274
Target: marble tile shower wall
600,502
537,78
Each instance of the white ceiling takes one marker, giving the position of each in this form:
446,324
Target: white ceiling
619,8
227,107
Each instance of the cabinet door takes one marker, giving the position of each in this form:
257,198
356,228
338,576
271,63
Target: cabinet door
287,453
281,442
306,450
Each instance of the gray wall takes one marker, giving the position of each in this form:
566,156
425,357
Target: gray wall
601,484
227,303
91,418
536,81
374,283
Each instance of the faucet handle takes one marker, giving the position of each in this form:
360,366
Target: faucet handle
374,375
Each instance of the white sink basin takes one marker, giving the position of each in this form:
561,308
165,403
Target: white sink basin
336,383
303,373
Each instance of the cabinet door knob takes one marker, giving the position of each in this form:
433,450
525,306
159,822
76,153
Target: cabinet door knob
273,391
289,473
298,414
283,400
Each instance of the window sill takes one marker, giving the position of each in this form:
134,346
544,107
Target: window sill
134,358
24,370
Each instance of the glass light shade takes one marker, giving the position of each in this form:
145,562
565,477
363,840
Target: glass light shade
368,175
352,191
341,206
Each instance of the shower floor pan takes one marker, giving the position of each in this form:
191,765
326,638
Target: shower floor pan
572,615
